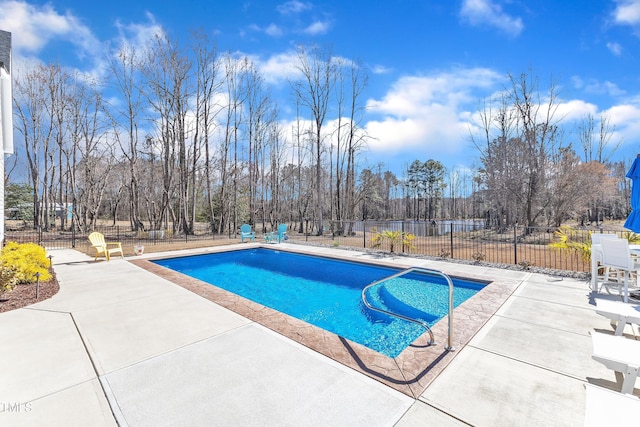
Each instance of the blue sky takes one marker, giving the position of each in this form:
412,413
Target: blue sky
430,63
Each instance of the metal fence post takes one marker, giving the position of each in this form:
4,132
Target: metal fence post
451,239
515,243
364,234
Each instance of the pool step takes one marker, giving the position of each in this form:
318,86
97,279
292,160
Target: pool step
375,300
386,297
409,302
392,297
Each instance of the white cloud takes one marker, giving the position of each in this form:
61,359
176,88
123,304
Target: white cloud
273,30
278,68
139,35
317,28
429,113
626,120
615,48
596,87
625,115
33,27
413,93
293,7
627,12
440,131
487,12
381,69
574,110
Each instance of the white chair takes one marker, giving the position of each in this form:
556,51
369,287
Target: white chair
618,312
597,238
596,257
620,355
616,254
604,407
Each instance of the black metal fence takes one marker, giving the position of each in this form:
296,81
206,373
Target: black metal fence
468,240
56,239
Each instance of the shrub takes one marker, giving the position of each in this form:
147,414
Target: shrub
26,259
393,238
8,279
478,256
524,264
574,240
568,238
444,253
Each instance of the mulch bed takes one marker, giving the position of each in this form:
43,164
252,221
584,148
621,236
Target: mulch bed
25,294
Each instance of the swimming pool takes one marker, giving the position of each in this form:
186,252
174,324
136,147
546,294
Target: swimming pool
327,292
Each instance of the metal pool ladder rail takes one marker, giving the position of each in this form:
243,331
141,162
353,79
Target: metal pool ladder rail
449,346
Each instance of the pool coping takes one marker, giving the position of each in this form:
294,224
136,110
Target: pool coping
411,372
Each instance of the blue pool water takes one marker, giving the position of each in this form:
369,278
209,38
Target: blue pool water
327,292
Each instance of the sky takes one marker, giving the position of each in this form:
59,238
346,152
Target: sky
430,63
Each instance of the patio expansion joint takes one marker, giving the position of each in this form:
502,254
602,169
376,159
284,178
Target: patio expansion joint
45,310
84,345
78,310
515,359
524,297
503,316
445,411
93,364
560,282
69,387
164,353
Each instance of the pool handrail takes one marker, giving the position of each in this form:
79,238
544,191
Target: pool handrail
449,346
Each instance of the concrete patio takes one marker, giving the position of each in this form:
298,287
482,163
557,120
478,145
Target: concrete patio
119,345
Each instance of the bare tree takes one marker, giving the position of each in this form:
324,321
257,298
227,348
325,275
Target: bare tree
351,81
278,207
539,130
313,91
35,123
208,83
90,158
301,181
371,193
518,139
565,187
229,145
597,146
167,77
497,125
125,117
390,183
260,113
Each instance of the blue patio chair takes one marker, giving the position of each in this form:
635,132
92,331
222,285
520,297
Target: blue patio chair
282,231
246,233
